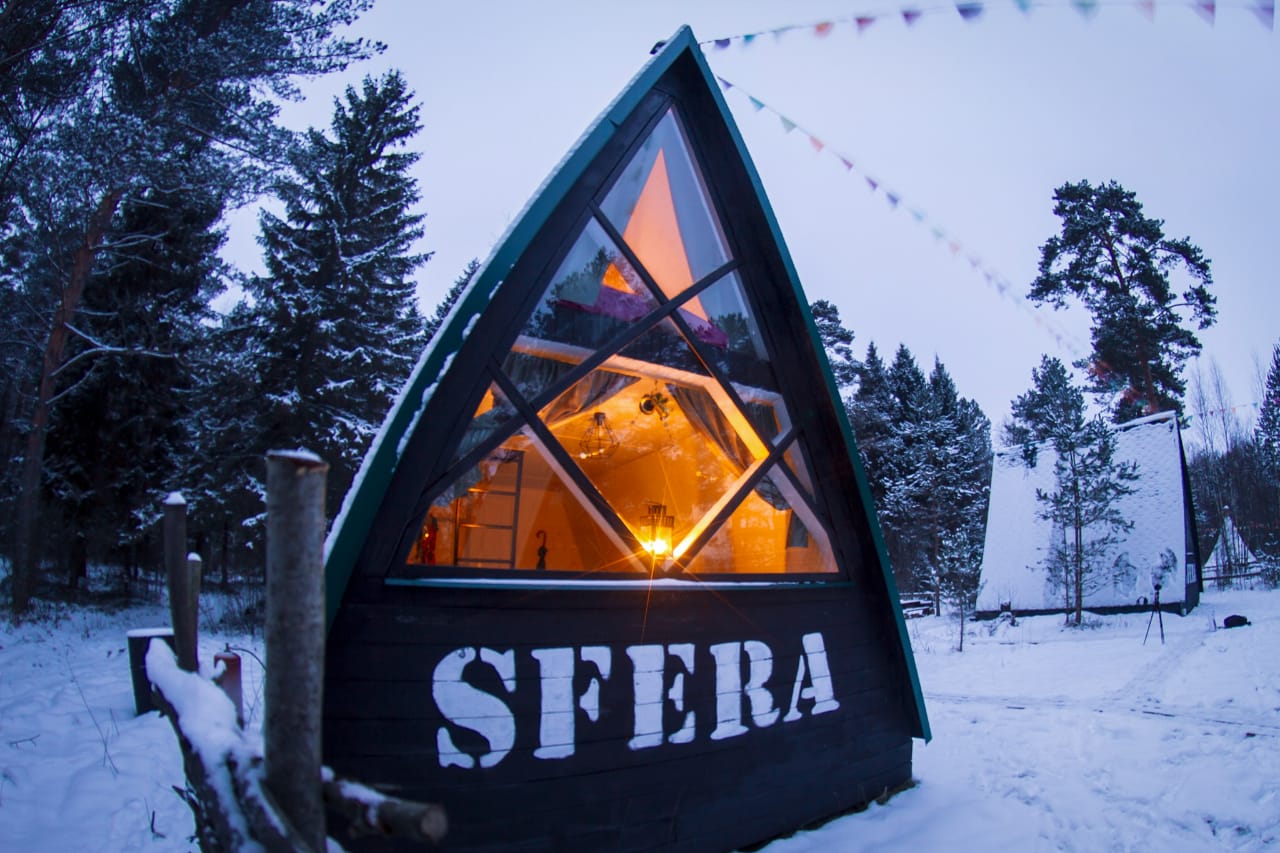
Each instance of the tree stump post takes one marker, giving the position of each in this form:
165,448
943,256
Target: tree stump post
295,639
182,572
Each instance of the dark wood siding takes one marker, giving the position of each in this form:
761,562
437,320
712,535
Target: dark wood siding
381,721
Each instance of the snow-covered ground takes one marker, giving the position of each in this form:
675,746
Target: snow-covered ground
1044,738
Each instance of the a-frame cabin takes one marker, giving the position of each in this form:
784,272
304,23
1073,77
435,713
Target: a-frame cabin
611,577
1162,545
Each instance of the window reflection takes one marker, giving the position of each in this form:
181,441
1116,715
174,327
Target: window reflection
661,206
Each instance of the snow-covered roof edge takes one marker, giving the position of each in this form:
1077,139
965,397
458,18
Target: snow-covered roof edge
1158,417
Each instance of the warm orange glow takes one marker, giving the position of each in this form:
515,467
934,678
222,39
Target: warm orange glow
614,278
654,233
657,547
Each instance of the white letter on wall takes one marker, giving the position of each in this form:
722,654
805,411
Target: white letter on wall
647,681
684,651
821,689
556,737
729,689
466,706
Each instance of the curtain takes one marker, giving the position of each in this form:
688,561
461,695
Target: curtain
591,391
707,419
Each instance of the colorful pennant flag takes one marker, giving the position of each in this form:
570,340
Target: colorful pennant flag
1266,12
816,143
971,10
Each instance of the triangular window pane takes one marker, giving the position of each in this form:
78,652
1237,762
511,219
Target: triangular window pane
795,461
516,510
772,531
494,412
594,293
661,207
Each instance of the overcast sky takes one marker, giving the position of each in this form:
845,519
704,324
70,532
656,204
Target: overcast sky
971,124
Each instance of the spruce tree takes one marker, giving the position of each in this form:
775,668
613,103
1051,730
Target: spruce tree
927,452
158,97
338,325
118,440
1088,480
1117,262
446,305
1267,430
871,413
838,343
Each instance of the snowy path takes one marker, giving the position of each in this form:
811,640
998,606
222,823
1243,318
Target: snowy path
1044,739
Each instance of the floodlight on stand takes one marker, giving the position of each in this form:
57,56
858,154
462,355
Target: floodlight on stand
598,442
659,533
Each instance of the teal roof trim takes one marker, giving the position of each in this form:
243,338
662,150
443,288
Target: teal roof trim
863,484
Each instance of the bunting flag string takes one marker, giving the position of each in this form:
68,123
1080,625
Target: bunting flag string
1212,412
896,201
972,10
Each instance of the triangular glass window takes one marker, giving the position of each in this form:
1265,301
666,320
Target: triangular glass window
661,207
772,531
648,431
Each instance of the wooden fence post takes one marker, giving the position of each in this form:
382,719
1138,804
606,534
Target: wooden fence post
183,576
295,639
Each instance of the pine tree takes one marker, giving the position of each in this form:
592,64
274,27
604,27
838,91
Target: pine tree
838,343
339,329
455,291
1088,480
927,453
167,96
1118,262
118,440
960,573
1267,430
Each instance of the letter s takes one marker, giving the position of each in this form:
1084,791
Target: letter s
471,708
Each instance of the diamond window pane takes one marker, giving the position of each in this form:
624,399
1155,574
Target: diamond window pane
661,206
666,444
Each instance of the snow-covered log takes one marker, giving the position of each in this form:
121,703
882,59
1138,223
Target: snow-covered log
225,774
